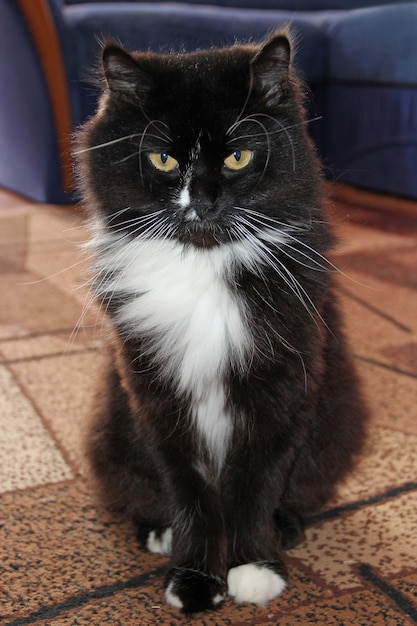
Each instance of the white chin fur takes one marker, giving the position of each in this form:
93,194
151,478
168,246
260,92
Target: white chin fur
196,326
254,583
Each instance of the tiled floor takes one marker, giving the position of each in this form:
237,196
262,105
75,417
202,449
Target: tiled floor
63,560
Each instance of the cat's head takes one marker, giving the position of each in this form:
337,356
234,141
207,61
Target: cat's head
194,146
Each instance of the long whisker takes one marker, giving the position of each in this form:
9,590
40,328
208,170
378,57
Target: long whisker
318,261
107,143
267,256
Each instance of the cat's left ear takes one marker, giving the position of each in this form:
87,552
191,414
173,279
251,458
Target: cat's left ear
270,66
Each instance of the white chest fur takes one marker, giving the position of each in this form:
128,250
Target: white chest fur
196,327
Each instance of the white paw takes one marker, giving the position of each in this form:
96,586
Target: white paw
172,597
254,582
160,543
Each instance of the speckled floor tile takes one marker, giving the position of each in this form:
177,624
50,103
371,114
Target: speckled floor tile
382,535
35,306
391,397
56,344
63,387
357,609
389,320
389,462
28,455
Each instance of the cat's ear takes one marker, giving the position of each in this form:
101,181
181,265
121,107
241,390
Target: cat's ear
124,74
270,66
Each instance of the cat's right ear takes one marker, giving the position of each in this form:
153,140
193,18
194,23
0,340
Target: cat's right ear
123,73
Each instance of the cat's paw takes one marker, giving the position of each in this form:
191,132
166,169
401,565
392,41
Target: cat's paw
257,582
159,541
192,591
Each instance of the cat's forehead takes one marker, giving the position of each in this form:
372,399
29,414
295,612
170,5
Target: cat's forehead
204,90
215,77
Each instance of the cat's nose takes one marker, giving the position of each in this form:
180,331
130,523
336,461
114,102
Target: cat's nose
203,199
198,212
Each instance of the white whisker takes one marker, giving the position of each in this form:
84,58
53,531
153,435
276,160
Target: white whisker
107,143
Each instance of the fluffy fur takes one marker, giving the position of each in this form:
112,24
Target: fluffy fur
229,408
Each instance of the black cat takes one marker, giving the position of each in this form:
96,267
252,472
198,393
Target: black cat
229,408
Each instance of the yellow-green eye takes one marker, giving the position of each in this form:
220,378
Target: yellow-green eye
163,161
238,159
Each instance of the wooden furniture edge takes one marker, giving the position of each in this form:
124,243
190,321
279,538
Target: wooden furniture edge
39,20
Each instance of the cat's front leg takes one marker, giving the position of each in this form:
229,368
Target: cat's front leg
257,573
196,580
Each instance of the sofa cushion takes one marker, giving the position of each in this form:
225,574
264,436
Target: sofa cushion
374,45
288,5
371,136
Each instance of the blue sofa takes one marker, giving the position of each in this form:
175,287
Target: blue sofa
358,57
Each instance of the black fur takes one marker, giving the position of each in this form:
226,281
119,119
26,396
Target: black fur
296,413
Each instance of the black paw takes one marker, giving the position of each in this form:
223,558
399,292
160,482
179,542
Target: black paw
192,591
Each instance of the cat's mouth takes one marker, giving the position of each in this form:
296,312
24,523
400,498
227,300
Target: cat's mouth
201,235
202,232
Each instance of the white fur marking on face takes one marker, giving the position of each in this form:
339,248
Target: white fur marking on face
161,544
196,326
254,583
184,198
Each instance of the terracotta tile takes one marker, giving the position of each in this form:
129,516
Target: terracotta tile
63,388
13,233
8,331
63,548
353,237
390,266
65,269
59,344
61,225
14,229
28,455
391,397
382,535
402,356
361,609
388,462
35,306
373,319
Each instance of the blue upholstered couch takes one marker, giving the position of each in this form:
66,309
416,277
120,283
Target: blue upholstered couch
359,58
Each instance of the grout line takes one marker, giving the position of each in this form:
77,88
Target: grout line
400,599
77,601
43,333
50,355
347,293
359,504
60,446
387,366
